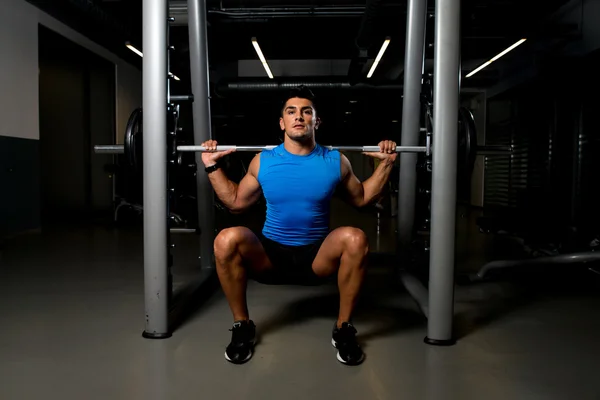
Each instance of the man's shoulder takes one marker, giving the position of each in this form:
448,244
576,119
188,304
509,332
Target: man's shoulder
328,151
271,152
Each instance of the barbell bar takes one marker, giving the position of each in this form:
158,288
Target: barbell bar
119,149
481,150
109,149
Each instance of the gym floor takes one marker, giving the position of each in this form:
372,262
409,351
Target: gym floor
72,317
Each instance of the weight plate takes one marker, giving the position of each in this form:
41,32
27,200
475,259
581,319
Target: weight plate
467,141
133,139
467,150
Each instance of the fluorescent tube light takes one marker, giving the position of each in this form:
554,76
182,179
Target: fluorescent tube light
139,53
136,51
262,57
384,46
495,58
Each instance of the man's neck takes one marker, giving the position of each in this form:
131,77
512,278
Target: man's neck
299,148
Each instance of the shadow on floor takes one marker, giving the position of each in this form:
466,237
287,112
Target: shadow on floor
491,307
483,304
374,316
191,299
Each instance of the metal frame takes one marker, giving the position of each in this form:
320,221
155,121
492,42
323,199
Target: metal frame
437,301
446,95
155,85
411,112
156,96
202,124
439,307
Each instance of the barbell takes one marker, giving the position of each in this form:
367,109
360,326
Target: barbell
132,148
120,149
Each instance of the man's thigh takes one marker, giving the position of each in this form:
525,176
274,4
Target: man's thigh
254,255
327,260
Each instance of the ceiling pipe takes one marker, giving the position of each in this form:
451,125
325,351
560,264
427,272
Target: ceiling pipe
315,12
230,86
178,10
321,85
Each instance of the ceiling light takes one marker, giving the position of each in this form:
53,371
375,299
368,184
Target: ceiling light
495,58
378,58
262,57
139,53
136,51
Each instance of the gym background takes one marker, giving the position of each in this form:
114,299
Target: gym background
68,82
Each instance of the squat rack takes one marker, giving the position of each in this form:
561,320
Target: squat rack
439,299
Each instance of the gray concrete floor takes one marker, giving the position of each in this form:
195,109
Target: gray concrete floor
72,313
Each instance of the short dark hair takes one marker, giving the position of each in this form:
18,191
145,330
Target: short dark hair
302,92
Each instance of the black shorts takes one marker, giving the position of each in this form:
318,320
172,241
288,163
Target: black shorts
292,265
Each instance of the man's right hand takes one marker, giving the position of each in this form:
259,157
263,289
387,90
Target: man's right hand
210,157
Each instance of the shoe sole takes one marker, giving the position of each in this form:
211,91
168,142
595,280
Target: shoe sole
334,344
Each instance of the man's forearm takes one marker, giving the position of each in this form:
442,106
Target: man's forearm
373,187
225,189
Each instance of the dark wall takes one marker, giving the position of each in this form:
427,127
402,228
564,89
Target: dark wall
19,174
551,178
102,124
77,109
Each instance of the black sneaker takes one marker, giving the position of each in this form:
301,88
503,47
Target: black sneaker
344,339
242,343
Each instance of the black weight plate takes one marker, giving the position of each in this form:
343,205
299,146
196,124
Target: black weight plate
467,141
133,136
467,151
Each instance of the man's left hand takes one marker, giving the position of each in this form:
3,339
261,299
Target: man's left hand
387,150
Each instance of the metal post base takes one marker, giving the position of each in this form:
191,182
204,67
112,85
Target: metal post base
154,335
436,342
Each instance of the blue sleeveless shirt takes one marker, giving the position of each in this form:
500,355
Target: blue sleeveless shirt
298,191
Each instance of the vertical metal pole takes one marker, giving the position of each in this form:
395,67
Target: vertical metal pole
155,167
446,94
202,123
411,112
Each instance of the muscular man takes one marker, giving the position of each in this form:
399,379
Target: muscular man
297,179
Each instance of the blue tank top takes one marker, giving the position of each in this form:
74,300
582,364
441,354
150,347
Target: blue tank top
298,191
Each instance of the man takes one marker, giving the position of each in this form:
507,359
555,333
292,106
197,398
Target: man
298,179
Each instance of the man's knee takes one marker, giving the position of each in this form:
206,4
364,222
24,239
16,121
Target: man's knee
355,240
227,242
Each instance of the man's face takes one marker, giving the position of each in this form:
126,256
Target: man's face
299,119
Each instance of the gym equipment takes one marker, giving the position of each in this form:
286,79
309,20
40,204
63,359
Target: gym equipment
442,144
467,144
569,258
455,147
133,145
467,152
118,149
399,149
436,302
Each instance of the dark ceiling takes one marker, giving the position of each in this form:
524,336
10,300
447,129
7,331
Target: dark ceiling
317,29
313,29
